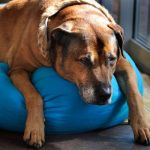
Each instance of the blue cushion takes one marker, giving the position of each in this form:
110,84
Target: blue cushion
65,111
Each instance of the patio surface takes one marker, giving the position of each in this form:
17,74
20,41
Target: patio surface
116,138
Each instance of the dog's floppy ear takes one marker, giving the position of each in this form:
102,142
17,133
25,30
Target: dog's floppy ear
62,32
60,36
119,33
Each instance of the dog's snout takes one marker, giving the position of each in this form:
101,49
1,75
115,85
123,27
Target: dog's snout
105,91
99,94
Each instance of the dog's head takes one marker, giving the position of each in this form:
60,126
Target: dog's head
84,47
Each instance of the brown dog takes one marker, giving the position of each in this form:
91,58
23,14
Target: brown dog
82,42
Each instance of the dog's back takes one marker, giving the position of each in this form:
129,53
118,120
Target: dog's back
16,25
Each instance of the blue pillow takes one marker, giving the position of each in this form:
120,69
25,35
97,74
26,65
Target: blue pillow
65,111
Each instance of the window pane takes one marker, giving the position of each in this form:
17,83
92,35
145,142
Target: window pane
143,23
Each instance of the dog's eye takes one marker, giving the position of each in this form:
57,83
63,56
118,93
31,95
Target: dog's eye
86,60
112,60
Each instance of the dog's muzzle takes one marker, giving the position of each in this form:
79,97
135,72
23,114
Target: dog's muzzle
99,95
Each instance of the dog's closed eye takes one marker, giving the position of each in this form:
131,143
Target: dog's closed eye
111,60
86,60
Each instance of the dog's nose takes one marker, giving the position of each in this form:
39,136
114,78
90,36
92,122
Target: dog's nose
105,92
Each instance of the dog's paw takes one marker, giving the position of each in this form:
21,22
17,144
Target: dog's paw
34,134
142,133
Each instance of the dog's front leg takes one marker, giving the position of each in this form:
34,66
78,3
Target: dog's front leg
127,80
34,130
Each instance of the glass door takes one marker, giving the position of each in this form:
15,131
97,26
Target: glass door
142,28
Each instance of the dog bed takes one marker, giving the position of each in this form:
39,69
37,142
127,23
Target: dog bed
65,111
